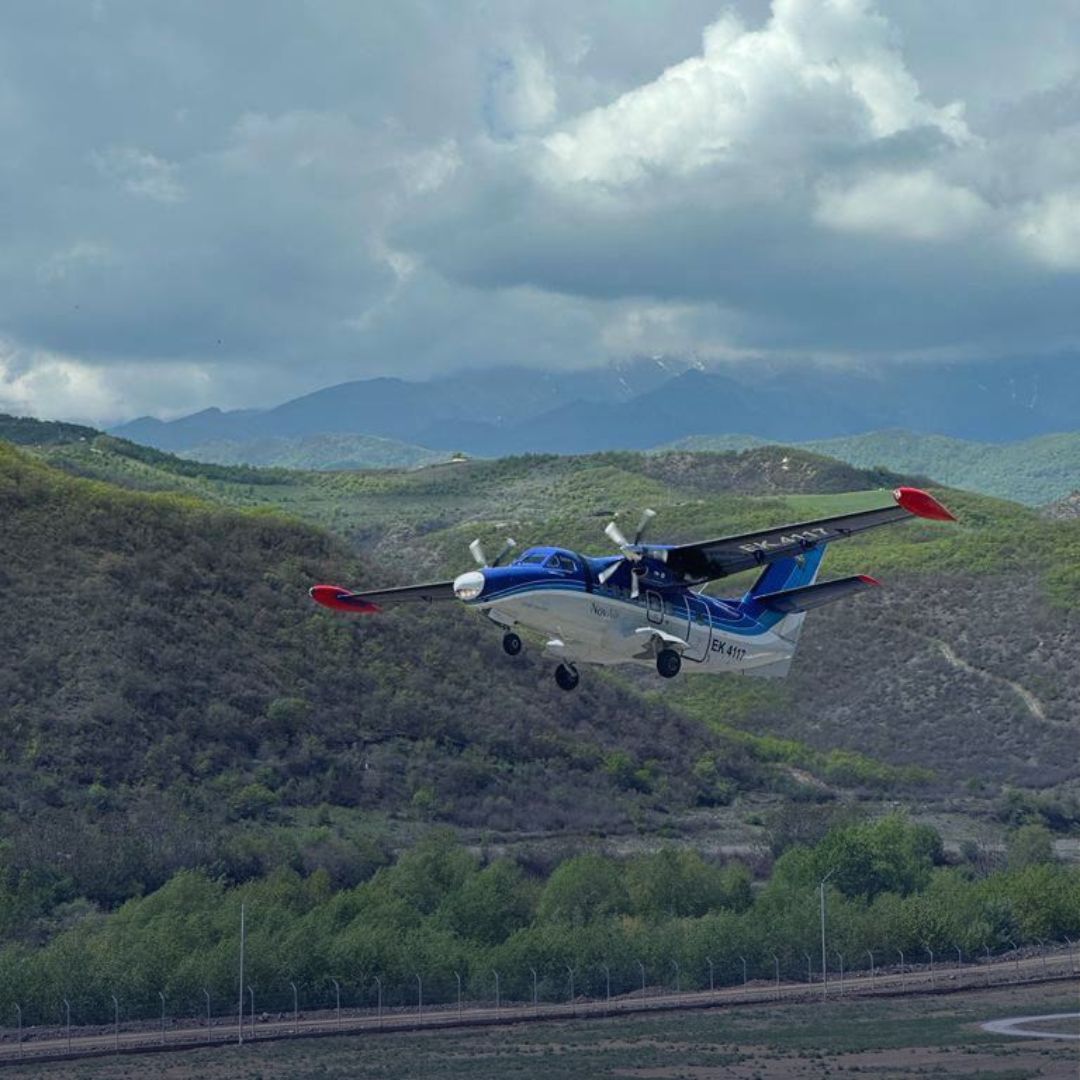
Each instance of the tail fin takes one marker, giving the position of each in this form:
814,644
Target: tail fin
793,572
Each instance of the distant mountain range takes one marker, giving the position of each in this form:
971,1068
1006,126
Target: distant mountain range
646,403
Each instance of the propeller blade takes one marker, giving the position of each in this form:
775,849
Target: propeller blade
476,549
646,517
633,586
609,572
615,534
504,551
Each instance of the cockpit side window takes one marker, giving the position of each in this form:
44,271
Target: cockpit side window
530,560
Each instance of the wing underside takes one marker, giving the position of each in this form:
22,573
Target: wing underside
374,600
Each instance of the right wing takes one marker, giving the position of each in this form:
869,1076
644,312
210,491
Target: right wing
372,602
718,558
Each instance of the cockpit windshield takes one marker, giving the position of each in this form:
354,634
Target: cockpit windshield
534,560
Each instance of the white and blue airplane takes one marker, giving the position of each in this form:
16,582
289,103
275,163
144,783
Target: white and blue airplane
645,605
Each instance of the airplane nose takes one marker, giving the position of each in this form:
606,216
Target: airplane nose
469,586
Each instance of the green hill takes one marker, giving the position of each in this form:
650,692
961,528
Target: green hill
318,452
1034,472
171,696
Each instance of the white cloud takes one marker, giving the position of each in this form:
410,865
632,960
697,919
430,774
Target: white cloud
1049,230
142,173
521,92
915,205
817,75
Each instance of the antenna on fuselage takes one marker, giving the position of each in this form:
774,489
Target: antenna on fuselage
630,554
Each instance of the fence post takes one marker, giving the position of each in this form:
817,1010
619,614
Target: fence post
745,977
536,999
497,993
870,953
295,1009
18,1010
457,975
776,964
959,957
931,952
712,987
841,956
573,1003
419,998
378,983
607,978
67,1014
642,966
678,976
987,947
116,1023
809,970
209,1018
903,981
337,1003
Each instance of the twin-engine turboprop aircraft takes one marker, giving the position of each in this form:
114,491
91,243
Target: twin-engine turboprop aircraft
645,606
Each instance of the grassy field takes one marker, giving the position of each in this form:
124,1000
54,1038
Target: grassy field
926,1036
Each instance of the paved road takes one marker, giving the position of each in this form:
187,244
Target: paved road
1020,1025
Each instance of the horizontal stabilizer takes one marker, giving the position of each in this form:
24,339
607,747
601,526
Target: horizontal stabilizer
792,601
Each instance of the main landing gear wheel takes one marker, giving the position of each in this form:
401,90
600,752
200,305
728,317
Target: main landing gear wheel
668,663
566,676
511,643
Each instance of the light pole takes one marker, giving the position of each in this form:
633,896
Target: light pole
457,975
337,1004
712,981
240,1018
116,1023
419,998
776,964
870,953
642,966
295,1009
678,974
841,956
209,1018
824,954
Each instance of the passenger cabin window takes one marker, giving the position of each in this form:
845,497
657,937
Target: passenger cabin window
533,560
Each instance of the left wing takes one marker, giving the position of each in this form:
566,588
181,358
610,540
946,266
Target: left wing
728,555
370,603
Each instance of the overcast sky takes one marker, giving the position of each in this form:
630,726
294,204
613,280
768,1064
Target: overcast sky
235,202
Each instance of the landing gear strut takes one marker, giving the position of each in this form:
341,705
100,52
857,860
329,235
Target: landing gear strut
511,643
567,677
668,663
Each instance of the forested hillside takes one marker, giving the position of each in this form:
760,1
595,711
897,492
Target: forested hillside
168,683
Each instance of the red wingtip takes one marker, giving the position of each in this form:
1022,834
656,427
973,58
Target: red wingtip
921,504
866,579
339,599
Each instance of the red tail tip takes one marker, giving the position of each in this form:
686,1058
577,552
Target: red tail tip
921,504
866,579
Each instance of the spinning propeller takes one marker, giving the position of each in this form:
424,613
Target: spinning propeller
477,551
630,552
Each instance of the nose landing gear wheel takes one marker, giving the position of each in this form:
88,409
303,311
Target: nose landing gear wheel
567,677
668,663
511,643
